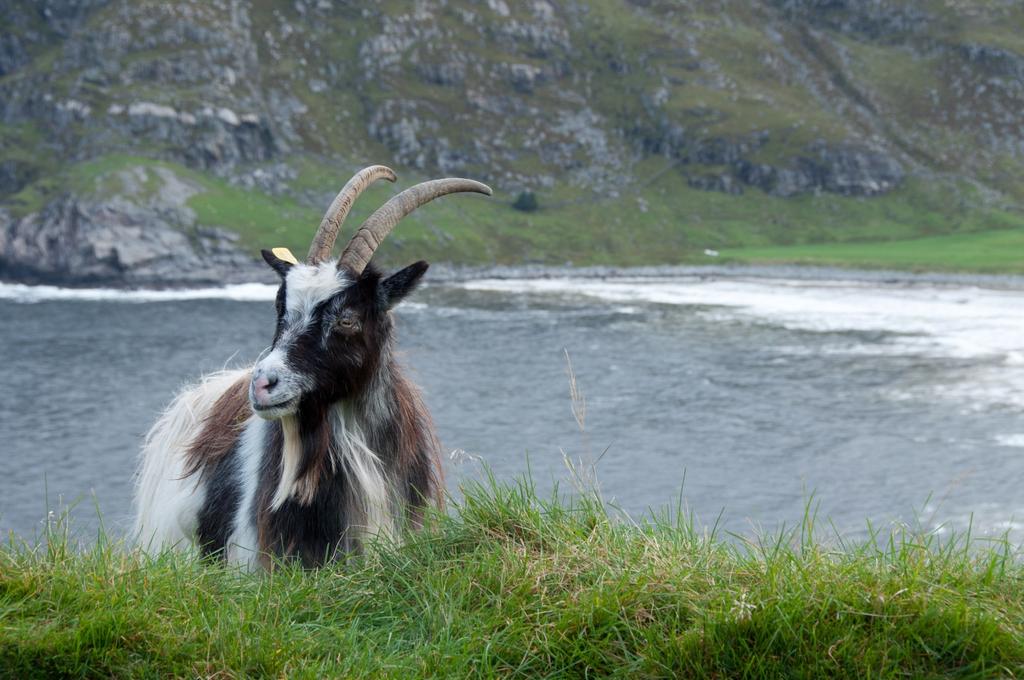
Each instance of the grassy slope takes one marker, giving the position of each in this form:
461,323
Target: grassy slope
652,222
510,585
992,252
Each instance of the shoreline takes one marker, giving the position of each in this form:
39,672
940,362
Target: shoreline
458,273
448,274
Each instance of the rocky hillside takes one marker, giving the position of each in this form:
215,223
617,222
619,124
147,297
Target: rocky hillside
153,142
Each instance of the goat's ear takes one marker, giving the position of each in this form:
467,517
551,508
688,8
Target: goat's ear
401,283
280,266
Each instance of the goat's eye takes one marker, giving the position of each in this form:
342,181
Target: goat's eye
347,322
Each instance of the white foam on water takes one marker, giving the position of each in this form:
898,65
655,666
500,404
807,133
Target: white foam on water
950,321
242,292
942,321
1014,440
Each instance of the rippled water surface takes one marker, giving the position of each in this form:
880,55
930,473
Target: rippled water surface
885,402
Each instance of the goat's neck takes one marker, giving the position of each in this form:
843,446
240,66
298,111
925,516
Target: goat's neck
322,441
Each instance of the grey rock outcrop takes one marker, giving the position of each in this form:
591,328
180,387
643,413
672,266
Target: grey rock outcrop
144,236
846,170
207,138
116,243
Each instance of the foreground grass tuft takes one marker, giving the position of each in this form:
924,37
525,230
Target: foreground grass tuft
513,585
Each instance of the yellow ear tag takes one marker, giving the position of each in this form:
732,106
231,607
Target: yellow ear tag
284,254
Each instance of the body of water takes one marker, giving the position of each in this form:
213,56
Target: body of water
882,402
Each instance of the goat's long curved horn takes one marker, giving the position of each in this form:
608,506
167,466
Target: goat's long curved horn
377,226
323,242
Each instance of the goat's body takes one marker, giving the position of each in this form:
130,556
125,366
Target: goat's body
323,443
306,486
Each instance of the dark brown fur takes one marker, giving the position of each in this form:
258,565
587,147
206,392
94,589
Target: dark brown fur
418,450
221,427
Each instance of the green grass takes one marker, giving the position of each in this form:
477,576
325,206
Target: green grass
509,585
923,226
678,224
992,251
262,221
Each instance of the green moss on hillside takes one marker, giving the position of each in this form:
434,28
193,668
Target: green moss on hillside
653,221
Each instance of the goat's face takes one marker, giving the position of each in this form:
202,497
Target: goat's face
332,328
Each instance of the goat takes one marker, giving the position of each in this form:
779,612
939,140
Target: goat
323,443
